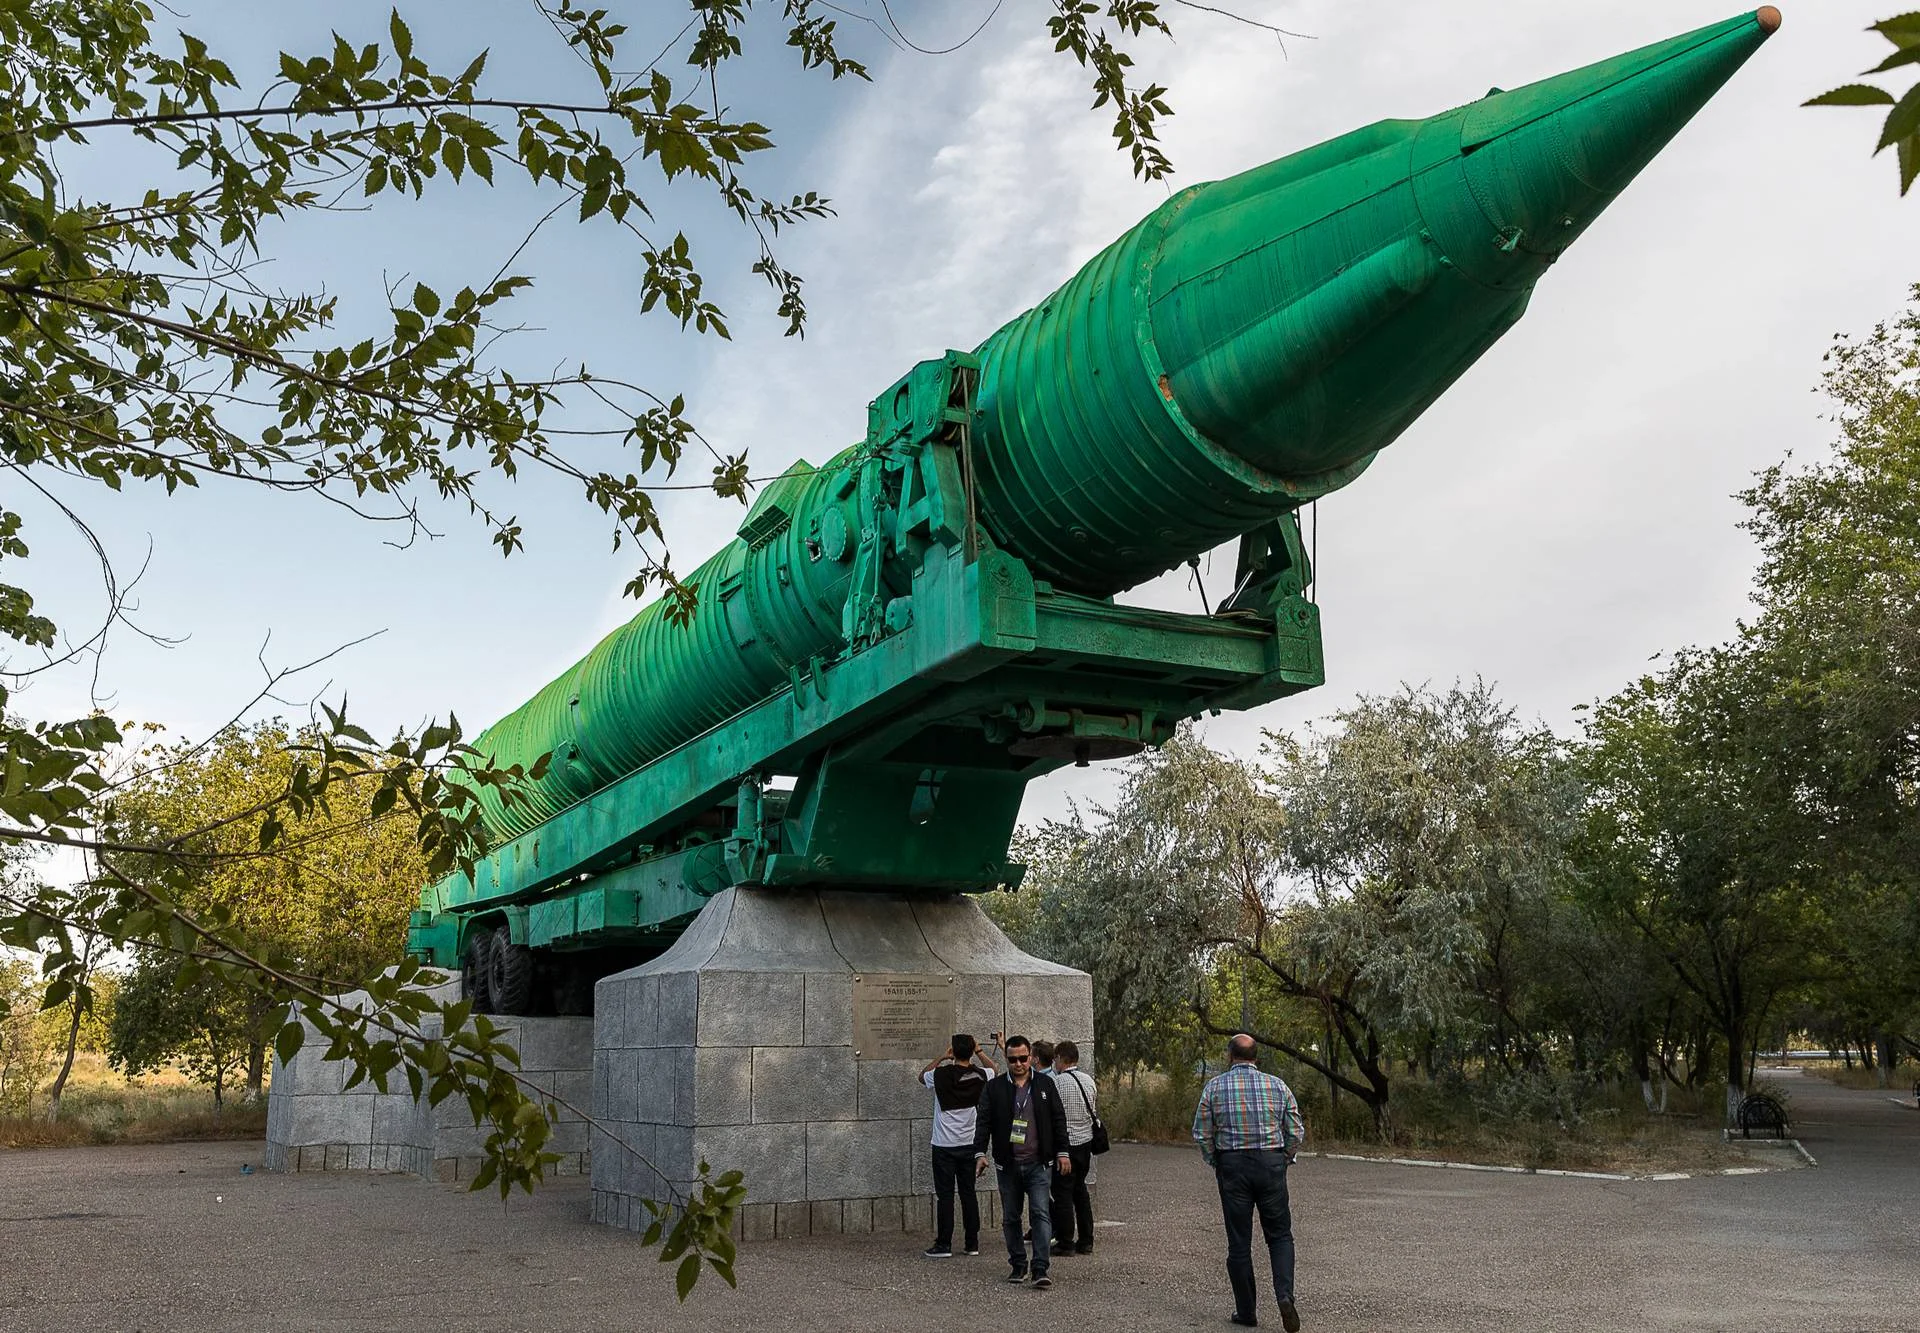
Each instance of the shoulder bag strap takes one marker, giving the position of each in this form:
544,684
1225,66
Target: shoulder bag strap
1084,1099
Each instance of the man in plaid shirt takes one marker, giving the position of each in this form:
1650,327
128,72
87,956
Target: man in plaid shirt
1249,1130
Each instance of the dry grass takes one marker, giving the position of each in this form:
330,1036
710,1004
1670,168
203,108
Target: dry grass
101,1106
1612,1133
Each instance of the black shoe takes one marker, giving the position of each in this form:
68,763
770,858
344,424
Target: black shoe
1017,1275
973,1249
1289,1317
1042,1282
937,1252
1059,1248
1245,1321
1085,1247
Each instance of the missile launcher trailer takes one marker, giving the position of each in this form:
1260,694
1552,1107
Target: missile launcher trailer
918,628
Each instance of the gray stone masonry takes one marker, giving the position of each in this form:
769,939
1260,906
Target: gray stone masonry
735,1047
316,1123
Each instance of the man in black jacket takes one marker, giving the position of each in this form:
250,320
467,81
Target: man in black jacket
1021,1121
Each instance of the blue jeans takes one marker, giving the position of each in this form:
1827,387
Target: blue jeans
1031,1186
1255,1179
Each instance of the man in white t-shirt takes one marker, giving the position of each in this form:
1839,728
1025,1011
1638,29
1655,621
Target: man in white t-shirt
957,1079
1072,1205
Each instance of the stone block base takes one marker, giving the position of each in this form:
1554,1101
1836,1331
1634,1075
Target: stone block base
736,1048
316,1123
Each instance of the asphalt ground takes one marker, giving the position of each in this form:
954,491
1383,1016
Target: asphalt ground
176,1237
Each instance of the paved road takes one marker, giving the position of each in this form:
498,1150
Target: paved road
174,1238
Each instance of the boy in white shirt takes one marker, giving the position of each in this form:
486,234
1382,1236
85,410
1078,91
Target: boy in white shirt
957,1078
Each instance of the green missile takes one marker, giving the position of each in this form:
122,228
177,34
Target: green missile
1249,346
1257,340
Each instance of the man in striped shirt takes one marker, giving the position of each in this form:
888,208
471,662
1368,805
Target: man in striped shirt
1249,1130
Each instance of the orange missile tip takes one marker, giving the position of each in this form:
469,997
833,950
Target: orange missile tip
1768,18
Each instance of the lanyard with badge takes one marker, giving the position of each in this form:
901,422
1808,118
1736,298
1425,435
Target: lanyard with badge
1017,1134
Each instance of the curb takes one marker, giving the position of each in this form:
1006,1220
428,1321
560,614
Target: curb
1549,1171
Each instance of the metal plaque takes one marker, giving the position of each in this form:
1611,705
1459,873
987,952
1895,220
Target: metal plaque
901,1016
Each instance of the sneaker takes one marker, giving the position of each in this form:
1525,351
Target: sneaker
1057,1248
937,1252
973,1251
1289,1317
1017,1275
1084,1247
1244,1320
1042,1283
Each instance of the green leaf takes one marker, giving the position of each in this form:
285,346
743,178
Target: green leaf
1906,55
287,1042
687,1274
1901,29
1853,94
1903,120
1909,162
402,38
425,300
595,198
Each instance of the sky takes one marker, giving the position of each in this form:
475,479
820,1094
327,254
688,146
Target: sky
1560,518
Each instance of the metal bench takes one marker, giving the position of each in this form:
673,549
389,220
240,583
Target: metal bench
1759,1111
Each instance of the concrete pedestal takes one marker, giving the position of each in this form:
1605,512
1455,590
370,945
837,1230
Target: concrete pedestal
316,1123
735,1047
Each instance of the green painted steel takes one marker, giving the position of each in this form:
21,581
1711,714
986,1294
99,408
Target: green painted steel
919,627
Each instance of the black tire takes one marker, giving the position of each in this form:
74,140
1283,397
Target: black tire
510,978
477,973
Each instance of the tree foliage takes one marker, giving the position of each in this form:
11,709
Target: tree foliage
1385,884
159,1019
1901,130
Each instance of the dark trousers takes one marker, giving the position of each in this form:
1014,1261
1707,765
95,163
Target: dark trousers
1255,1179
953,1171
1072,1205
1028,1187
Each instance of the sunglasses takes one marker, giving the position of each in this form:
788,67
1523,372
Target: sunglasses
1018,1059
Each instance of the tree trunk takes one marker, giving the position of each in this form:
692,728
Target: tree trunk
256,1069
1333,1067
1883,1069
1642,1068
1736,1070
59,1088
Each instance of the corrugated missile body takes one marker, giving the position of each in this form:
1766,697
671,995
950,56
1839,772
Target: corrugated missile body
916,629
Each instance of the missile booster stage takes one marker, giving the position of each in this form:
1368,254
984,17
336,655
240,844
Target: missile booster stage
899,640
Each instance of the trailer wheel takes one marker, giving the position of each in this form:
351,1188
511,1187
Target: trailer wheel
477,972
510,978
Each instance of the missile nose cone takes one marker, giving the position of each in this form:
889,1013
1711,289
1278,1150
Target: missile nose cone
1506,184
